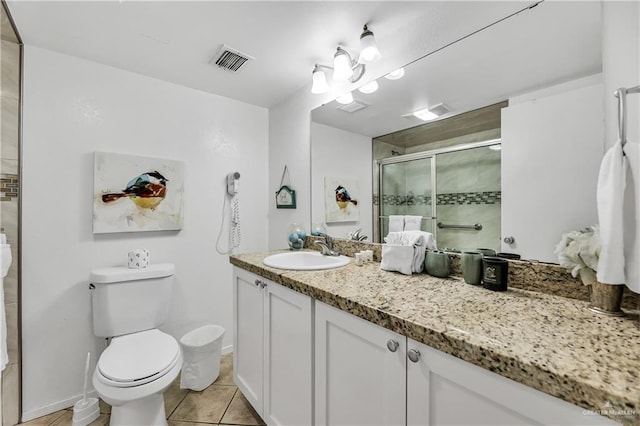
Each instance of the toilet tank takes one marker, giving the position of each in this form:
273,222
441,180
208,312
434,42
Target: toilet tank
128,300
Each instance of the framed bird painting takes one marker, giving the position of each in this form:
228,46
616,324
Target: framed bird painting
133,193
341,199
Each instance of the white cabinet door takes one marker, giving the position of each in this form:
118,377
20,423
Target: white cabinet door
444,390
288,357
248,302
272,355
359,380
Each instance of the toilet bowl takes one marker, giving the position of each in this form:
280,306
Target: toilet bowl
132,374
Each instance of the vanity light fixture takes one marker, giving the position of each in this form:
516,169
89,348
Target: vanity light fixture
496,147
395,75
320,84
345,99
345,68
369,87
368,49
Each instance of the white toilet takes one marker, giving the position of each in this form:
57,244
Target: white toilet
140,361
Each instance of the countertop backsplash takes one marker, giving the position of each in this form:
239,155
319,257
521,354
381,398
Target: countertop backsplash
529,275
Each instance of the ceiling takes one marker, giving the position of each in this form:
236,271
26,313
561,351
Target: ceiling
175,40
552,43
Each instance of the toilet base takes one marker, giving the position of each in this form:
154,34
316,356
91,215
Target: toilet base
145,411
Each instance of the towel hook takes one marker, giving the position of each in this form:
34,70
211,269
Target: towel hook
621,94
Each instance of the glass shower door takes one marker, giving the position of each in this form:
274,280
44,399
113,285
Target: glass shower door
405,189
468,198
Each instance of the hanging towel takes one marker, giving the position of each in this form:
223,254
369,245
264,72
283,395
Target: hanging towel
412,223
396,223
5,262
632,217
610,198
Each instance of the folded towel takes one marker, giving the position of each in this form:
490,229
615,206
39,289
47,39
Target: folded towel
396,223
397,257
412,223
610,197
419,241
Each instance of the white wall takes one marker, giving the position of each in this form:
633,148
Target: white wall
72,108
621,65
338,153
551,151
290,122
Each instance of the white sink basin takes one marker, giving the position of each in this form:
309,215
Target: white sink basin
305,261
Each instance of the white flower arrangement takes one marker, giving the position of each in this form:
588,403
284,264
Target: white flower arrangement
579,252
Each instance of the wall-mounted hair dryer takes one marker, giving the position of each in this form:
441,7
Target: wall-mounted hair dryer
232,183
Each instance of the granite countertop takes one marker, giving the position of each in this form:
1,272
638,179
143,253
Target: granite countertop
550,343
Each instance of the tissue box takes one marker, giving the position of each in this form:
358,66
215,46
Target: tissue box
138,258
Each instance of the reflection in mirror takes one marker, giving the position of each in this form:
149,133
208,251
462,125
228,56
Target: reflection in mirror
546,64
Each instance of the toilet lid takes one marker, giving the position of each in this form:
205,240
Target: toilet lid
137,358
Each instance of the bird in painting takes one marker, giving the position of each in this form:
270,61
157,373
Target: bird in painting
146,191
343,198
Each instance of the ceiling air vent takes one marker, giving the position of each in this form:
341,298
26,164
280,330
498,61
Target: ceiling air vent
231,59
354,106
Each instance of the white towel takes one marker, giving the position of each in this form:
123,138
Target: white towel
5,262
610,197
396,223
632,218
412,223
418,241
396,257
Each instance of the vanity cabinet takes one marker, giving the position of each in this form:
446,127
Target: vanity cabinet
444,390
273,341
359,371
366,374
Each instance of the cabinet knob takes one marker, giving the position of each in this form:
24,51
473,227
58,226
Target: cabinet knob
392,345
414,355
257,283
263,284
509,240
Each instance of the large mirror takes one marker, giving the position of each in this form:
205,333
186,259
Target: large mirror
516,150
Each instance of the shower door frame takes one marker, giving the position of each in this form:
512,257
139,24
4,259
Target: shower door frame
378,217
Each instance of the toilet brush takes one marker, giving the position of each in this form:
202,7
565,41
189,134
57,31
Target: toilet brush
87,409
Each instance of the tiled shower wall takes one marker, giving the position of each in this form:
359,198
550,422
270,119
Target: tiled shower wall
10,52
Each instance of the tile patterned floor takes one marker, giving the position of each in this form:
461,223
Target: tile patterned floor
219,404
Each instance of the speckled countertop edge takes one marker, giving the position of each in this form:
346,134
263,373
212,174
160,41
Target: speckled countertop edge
549,343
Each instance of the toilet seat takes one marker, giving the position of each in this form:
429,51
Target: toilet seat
138,358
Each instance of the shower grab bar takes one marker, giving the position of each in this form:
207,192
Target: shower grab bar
476,226
621,94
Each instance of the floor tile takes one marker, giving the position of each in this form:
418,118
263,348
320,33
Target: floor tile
176,423
226,370
104,407
206,406
240,412
173,396
45,420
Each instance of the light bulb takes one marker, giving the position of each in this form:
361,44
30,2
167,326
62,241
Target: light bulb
319,81
342,69
395,75
345,99
369,50
369,87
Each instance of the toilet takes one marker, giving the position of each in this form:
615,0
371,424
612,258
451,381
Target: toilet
141,361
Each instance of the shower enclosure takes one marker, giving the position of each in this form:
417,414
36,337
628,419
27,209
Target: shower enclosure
456,190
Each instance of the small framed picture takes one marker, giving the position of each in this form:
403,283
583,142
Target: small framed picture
286,198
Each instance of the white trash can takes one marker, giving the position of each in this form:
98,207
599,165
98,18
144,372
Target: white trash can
201,349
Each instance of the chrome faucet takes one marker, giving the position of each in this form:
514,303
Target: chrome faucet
327,246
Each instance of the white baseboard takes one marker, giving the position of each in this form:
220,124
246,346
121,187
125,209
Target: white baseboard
56,406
